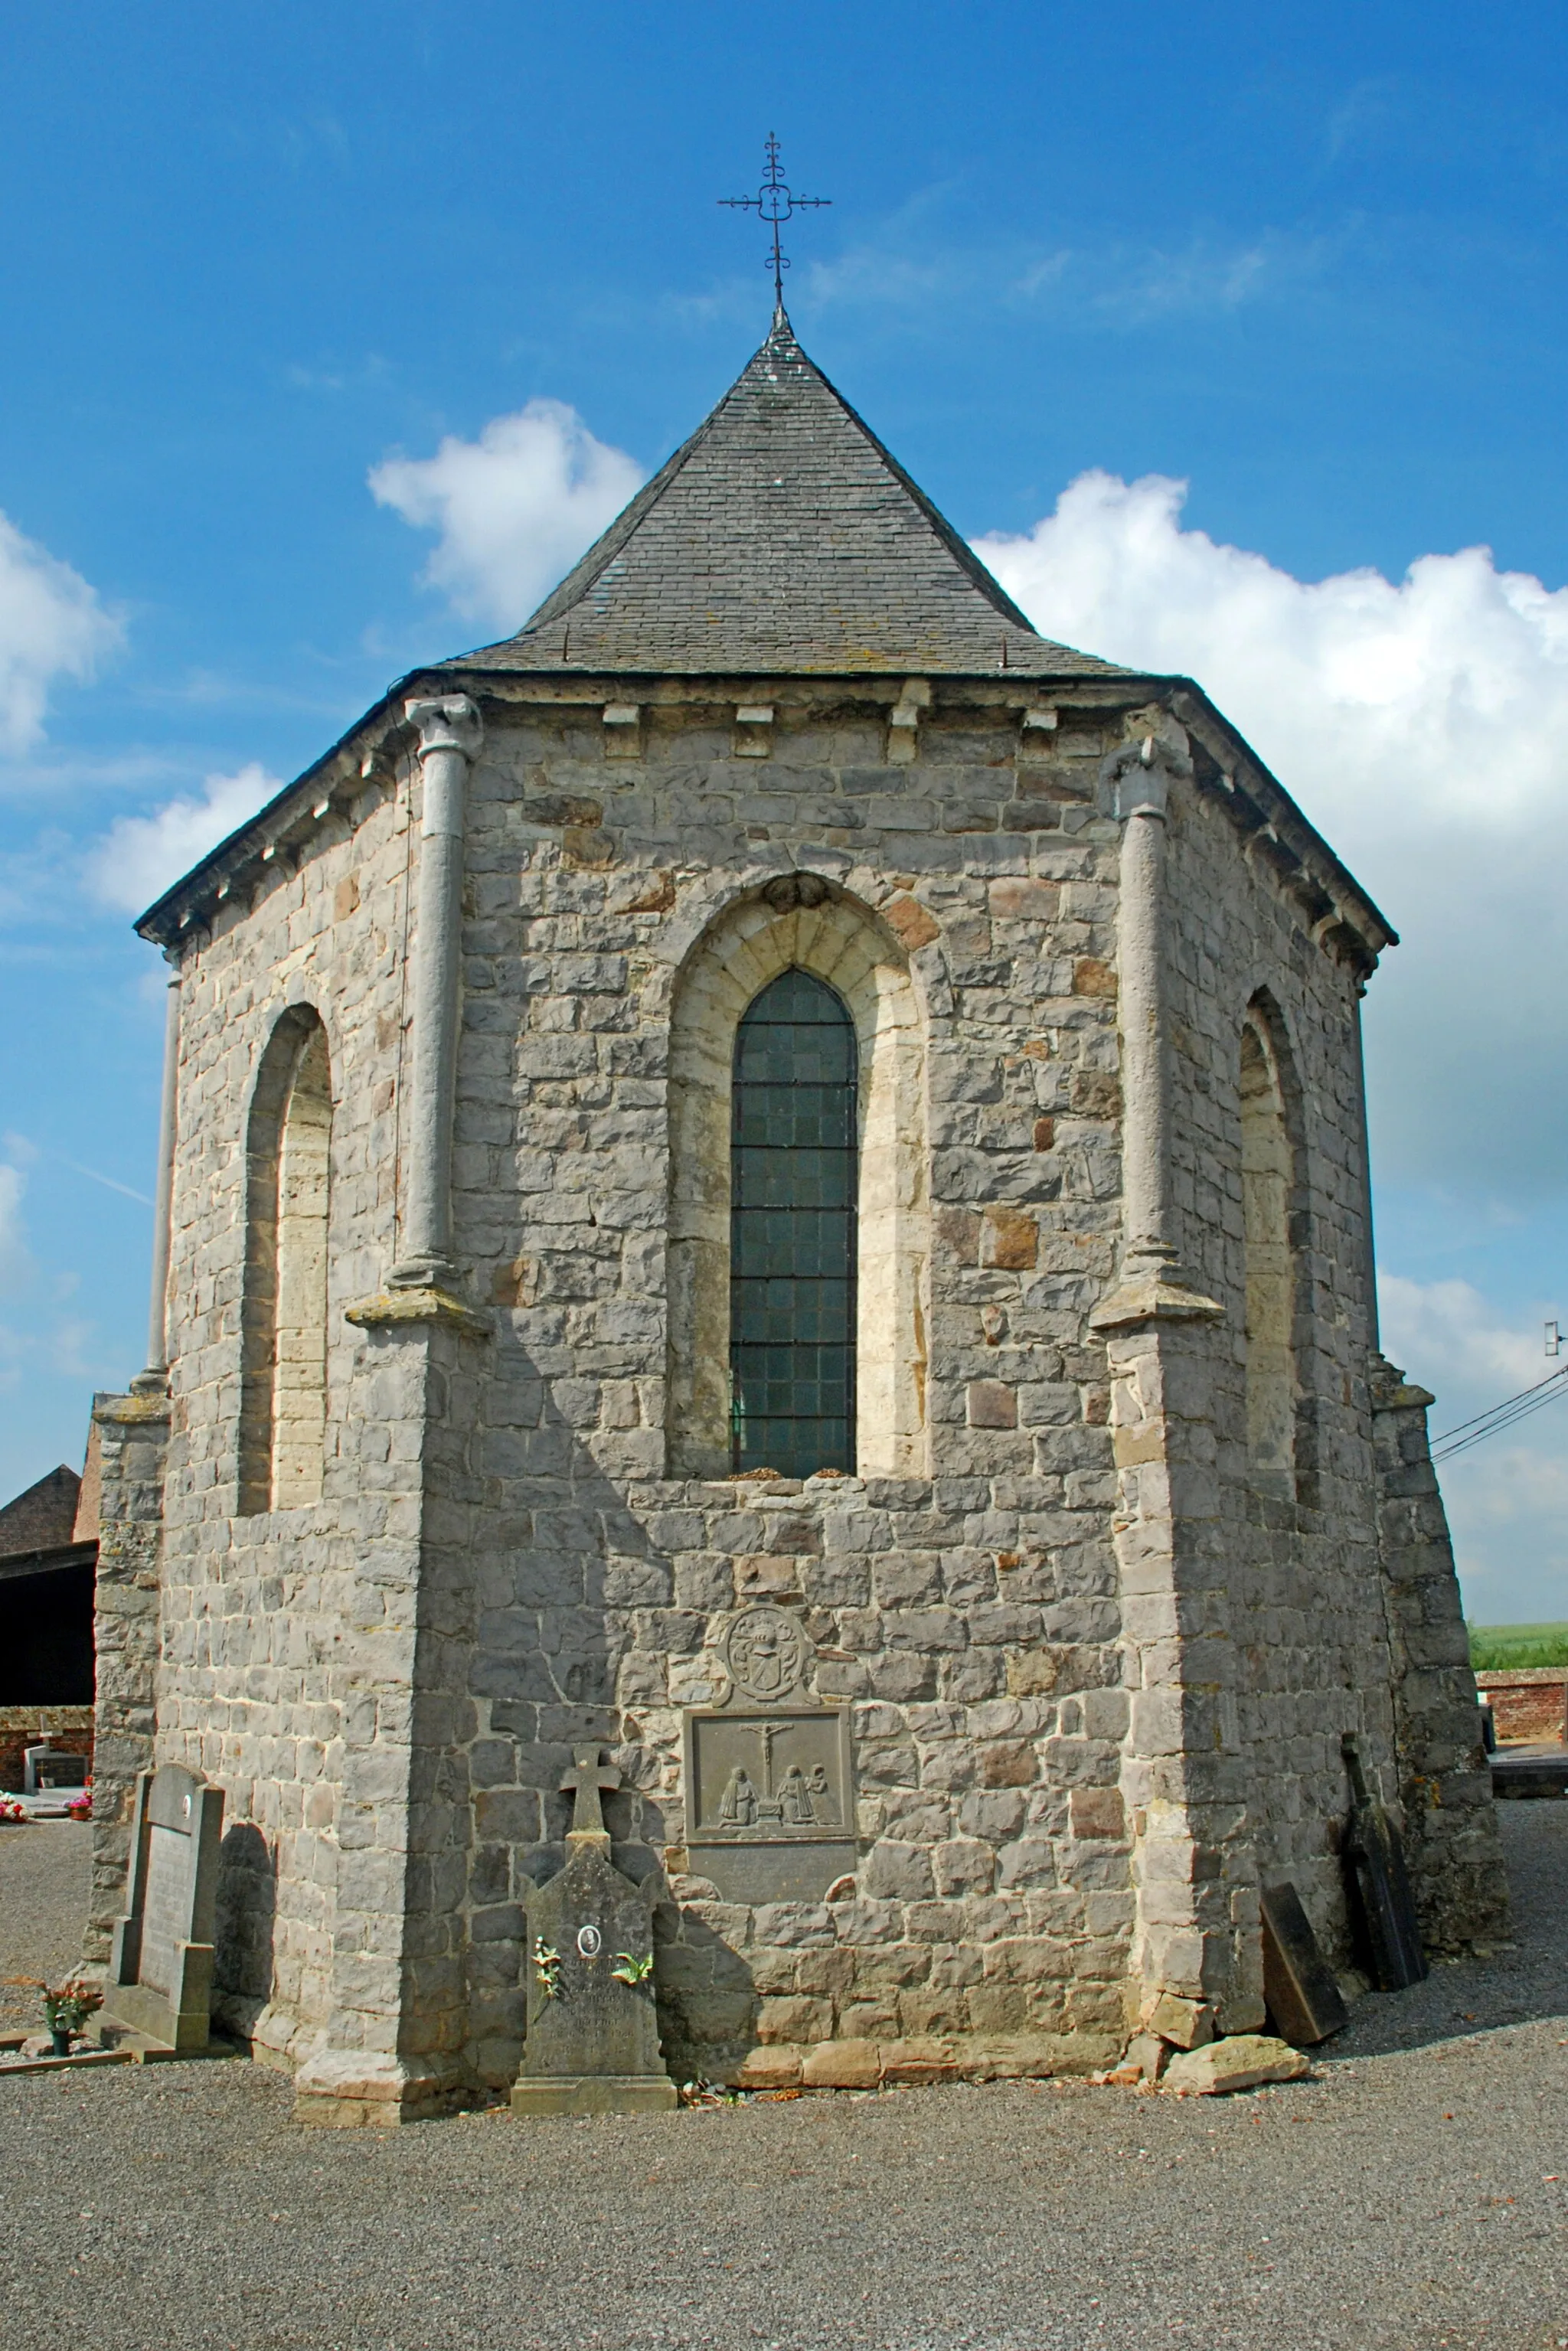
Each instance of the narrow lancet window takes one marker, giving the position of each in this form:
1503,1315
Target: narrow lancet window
283,1410
1266,1187
793,1198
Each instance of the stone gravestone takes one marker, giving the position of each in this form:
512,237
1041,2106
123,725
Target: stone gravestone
769,1790
161,1963
1298,1988
593,2032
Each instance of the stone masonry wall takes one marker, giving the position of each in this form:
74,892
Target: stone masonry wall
288,1635
1296,1638
388,1683
1444,1779
133,1435
974,1618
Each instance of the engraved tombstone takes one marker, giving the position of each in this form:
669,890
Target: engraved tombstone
770,1787
161,1963
592,2046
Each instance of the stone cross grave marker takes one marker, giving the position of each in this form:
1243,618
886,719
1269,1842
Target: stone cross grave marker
161,1963
594,2033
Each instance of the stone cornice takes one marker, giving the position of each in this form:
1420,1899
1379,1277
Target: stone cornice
1342,919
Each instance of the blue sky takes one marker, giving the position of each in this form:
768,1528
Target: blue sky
1311,267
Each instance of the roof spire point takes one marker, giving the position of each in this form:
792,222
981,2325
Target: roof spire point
777,202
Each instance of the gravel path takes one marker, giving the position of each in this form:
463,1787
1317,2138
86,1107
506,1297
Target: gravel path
1400,2198
44,1877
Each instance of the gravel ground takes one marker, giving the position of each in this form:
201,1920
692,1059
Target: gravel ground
1403,2198
45,1875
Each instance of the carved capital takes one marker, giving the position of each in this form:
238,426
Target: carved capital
451,724
1137,777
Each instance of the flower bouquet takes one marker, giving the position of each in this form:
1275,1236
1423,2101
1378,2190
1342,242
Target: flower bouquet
66,2008
10,1809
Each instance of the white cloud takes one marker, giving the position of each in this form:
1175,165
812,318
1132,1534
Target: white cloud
1443,698
15,1259
1421,725
514,509
1453,1334
140,856
52,626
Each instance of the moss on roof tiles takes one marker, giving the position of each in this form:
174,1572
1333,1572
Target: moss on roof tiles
782,536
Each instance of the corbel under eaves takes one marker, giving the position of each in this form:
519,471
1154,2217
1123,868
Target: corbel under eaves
752,736
903,721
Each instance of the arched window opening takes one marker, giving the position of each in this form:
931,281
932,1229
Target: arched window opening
793,1212
1266,1182
283,1405
879,1392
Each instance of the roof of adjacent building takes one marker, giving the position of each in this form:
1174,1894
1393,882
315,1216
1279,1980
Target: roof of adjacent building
782,536
42,1517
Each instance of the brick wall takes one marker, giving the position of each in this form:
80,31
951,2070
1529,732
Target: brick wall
69,1727
1527,1705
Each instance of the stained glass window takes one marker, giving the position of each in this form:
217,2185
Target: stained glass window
793,1185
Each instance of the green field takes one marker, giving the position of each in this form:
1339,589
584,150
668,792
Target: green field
1510,1648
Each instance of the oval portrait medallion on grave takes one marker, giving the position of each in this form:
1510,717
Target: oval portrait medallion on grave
767,1654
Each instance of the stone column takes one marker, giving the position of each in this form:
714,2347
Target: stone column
450,734
154,1379
1137,778
1444,1781
1197,1959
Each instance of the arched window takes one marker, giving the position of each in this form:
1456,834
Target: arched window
1267,1182
283,1400
847,994
794,1189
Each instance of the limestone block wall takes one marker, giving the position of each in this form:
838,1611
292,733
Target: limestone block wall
512,1553
1293,1628
969,1612
281,1669
132,1433
972,1616
1444,1781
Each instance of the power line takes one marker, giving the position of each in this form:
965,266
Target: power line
1507,1415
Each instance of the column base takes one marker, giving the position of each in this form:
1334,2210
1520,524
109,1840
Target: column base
360,2089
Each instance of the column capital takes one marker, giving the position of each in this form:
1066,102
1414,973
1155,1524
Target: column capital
1137,777
450,722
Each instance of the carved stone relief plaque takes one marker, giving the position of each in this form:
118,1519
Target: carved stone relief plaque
766,1654
770,1782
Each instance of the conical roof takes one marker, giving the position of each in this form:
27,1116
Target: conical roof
781,538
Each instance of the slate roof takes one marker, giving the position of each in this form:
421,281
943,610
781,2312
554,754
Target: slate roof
42,1516
782,536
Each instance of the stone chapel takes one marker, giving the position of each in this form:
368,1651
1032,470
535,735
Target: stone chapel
771,1173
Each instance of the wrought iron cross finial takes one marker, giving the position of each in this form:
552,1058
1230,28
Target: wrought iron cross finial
776,204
